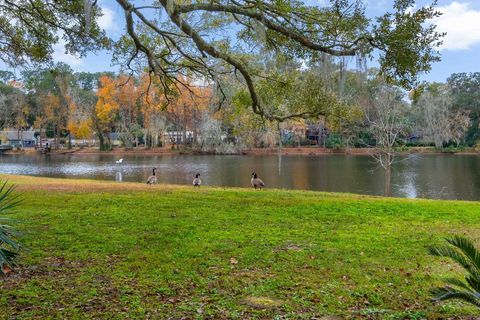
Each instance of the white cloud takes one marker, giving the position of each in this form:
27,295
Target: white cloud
59,55
462,25
107,20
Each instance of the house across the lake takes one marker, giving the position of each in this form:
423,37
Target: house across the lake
18,138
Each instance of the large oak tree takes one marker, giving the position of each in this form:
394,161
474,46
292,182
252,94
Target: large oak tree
211,38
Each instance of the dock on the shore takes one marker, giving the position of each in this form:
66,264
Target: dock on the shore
4,148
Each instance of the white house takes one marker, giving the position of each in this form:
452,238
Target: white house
18,138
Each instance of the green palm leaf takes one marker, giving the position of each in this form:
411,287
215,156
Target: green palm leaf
449,252
458,283
9,246
8,200
461,250
446,293
468,249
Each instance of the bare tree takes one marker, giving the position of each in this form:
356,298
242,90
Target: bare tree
387,122
439,122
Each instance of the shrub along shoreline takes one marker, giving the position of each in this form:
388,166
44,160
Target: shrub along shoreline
303,150
99,249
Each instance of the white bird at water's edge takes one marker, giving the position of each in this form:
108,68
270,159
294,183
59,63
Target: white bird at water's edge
119,161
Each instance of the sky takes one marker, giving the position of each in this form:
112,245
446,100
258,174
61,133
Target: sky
460,51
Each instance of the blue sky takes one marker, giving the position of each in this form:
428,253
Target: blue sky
460,52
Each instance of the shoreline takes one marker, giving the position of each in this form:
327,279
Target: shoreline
303,151
28,183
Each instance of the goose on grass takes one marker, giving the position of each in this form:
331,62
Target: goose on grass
256,182
153,178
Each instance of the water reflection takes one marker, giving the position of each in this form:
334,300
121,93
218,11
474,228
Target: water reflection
426,176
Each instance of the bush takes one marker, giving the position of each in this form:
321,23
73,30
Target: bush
9,247
451,149
335,141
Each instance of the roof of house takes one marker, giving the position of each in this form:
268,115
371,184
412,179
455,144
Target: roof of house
16,135
114,135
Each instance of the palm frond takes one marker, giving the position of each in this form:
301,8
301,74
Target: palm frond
467,247
447,293
458,283
462,251
8,235
473,282
9,246
8,200
7,257
455,255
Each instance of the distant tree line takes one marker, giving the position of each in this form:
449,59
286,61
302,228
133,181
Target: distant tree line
356,107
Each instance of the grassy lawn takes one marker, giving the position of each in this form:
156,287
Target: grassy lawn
117,251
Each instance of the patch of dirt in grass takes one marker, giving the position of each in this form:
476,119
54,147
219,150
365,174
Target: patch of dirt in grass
293,247
253,274
262,302
289,246
50,267
28,288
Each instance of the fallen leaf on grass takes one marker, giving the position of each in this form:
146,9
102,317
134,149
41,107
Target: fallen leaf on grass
233,261
6,269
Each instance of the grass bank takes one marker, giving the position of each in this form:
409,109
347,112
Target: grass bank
117,251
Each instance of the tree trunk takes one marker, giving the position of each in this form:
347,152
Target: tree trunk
280,146
101,141
388,180
101,138
55,136
40,135
194,124
184,126
109,143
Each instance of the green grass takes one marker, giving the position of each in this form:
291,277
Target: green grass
117,251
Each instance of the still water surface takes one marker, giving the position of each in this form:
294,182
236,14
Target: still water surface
418,176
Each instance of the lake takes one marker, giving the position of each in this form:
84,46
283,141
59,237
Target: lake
416,176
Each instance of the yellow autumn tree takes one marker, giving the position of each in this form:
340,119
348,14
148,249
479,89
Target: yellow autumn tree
106,110
54,114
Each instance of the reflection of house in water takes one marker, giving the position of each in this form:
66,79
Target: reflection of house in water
18,138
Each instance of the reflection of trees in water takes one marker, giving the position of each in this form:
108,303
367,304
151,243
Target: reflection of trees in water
279,164
456,178
407,178
437,177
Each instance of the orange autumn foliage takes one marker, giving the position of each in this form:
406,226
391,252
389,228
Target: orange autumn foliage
191,100
107,106
81,129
